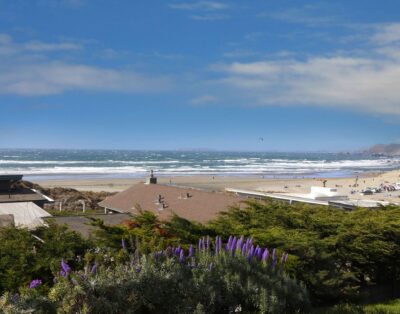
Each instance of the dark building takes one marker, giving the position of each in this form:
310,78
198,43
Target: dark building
12,192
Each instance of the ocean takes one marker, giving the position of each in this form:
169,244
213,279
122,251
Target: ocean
62,164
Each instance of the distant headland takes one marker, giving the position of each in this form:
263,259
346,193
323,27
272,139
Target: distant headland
384,150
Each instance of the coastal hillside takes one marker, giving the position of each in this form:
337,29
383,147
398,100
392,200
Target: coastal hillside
70,198
385,150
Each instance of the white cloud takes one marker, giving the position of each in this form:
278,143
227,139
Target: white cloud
5,39
343,82
199,5
309,14
57,77
9,47
387,34
43,73
209,17
203,100
61,3
365,82
39,46
204,10
240,53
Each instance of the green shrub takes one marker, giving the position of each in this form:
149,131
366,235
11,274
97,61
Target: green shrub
235,278
392,307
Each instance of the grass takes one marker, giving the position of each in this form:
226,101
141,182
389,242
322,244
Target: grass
390,307
74,212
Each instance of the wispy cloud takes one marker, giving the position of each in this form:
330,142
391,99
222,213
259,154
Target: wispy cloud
9,46
387,34
204,99
240,53
209,17
57,77
39,46
203,10
61,3
366,83
312,15
199,5
46,73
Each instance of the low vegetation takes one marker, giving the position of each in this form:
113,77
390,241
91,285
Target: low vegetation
338,261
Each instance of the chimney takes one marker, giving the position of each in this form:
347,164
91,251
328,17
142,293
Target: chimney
152,179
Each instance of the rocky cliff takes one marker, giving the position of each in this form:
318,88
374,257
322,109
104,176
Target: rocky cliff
384,150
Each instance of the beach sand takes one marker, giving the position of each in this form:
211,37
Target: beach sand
219,183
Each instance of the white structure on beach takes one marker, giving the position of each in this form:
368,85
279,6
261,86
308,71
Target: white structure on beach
324,194
318,196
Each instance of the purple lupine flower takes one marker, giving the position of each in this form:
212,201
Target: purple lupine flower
204,243
228,245
244,249
273,253
123,244
138,269
65,269
247,243
284,258
35,283
207,244
233,244
94,268
250,242
239,243
220,243
260,253
182,256
250,254
274,258
217,249
200,244
265,255
191,251
257,251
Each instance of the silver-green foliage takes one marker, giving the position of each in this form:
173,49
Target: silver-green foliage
165,283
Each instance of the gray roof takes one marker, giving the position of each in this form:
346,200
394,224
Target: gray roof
22,195
11,177
82,224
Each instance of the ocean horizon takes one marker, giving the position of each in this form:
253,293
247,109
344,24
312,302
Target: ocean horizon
44,164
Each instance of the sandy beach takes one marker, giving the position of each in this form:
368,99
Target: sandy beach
219,183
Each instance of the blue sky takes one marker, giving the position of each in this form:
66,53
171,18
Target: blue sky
303,75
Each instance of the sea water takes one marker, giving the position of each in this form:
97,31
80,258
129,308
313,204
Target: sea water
60,164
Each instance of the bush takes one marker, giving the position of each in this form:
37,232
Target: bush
392,307
25,256
238,277
340,254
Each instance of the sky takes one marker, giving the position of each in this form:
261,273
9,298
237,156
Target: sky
261,75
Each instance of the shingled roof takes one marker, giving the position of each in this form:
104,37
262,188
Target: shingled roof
192,204
82,224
